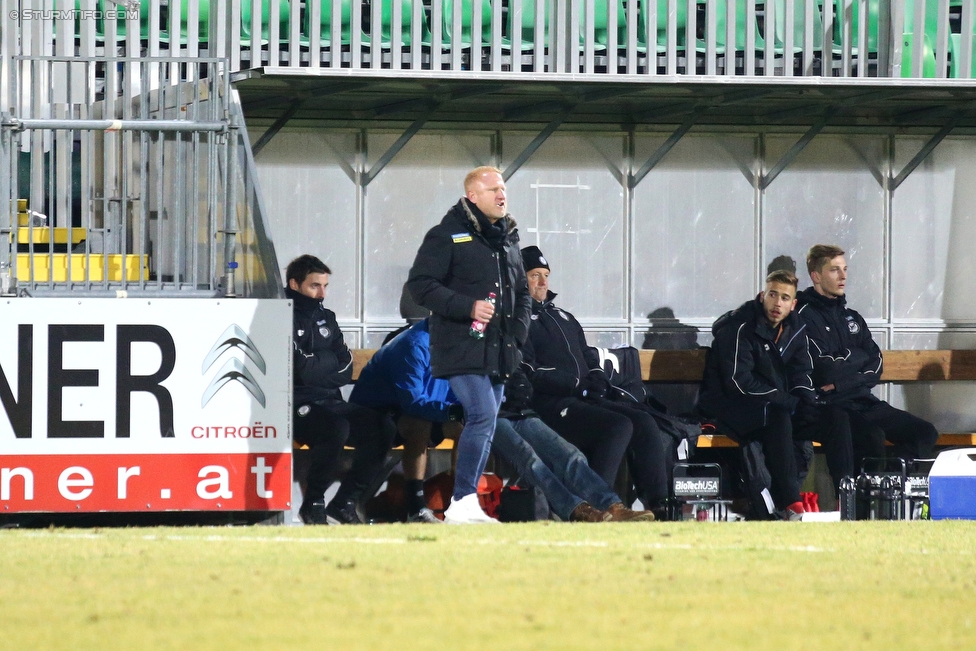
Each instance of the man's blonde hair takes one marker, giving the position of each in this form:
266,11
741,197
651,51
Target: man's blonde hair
820,255
476,173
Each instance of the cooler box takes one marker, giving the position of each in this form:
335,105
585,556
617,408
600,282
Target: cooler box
952,485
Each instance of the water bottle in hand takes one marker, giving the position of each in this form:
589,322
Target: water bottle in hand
477,329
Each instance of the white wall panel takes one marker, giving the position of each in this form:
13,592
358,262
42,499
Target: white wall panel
568,203
933,228
829,195
311,203
694,241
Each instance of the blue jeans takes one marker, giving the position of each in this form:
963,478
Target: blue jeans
481,400
548,461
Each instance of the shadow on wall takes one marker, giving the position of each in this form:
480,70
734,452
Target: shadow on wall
667,333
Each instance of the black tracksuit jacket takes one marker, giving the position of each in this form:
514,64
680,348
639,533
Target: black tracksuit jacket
557,357
322,362
844,352
456,266
747,369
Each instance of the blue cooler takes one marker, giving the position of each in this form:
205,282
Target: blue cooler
952,485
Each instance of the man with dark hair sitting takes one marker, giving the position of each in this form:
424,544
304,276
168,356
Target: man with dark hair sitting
322,419
756,373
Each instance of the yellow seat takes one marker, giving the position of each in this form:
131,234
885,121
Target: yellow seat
42,235
60,261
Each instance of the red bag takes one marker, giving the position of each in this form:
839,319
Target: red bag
490,493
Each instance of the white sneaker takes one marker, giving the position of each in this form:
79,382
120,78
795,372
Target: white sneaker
467,510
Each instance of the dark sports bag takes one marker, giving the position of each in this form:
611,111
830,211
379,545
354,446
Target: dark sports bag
623,369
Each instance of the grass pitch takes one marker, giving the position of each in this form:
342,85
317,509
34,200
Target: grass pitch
775,586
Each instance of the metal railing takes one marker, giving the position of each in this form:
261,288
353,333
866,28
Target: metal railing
124,176
843,38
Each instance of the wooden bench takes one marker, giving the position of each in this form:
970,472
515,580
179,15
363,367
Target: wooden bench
687,366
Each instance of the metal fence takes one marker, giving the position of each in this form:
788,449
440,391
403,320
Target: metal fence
125,176
884,38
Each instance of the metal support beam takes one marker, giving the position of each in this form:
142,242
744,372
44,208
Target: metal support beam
661,112
395,148
533,146
634,179
114,125
923,153
276,127
790,156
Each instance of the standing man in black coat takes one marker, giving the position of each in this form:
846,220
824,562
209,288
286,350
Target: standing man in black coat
322,419
847,364
468,273
756,374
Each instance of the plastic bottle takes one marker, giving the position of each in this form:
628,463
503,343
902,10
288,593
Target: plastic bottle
848,505
477,329
862,498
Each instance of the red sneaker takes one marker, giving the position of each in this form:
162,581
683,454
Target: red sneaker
794,512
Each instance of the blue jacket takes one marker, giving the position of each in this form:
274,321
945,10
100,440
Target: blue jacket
399,377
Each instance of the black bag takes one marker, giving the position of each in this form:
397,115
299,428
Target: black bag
518,504
622,367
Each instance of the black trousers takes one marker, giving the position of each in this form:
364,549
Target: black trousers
911,437
604,431
852,432
831,427
326,428
776,439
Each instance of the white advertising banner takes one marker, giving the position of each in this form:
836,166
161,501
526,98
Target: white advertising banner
145,404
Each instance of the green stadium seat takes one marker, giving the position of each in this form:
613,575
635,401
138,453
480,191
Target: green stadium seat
721,25
601,24
203,22
120,26
799,26
466,23
325,24
284,17
929,33
874,13
528,25
406,24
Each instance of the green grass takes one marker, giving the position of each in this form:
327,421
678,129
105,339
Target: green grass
869,585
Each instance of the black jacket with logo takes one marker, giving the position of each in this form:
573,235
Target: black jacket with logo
557,356
322,362
747,369
457,265
844,352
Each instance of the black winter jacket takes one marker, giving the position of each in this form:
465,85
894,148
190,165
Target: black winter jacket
322,362
557,357
844,352
747,369
456,266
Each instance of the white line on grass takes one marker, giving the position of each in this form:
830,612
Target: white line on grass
368,541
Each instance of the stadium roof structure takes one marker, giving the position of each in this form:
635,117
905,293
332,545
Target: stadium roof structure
502,100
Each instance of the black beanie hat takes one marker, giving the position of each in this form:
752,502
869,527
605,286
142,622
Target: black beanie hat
532,258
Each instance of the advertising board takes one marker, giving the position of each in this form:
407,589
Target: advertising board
145,405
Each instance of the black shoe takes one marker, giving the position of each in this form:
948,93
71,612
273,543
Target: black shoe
342,513
313,512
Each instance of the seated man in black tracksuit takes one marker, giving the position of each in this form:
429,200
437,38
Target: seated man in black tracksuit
756,374
322,419
847,364
570,396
